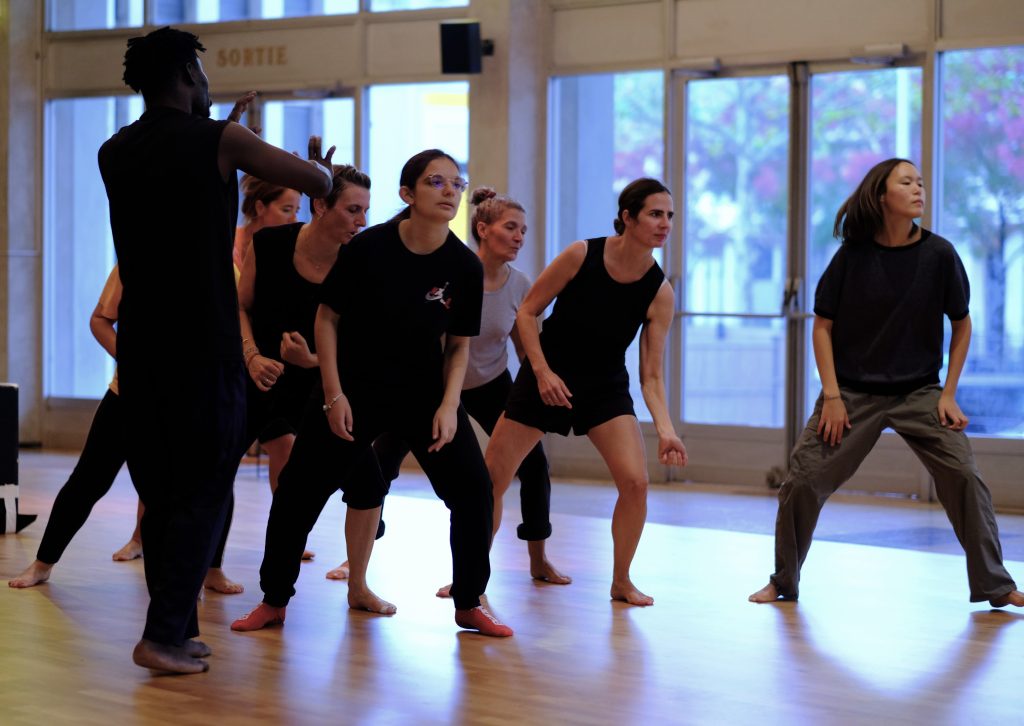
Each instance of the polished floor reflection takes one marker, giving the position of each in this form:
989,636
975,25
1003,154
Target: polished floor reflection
883,634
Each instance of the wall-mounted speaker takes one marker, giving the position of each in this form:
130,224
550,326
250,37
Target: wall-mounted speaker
461,49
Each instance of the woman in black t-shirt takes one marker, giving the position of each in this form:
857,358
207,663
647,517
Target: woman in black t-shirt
574,376
396,291
878,346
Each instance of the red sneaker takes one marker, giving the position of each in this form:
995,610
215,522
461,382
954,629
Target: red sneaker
262,616
481,620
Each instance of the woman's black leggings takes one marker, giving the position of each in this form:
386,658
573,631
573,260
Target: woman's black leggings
93,475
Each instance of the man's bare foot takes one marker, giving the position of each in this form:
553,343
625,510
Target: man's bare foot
339,573
445,591
768,593
307,555
35,574
131,551
1015,598
217,581
197,649
262,616
481,620
546,572
626,592
366,600
168,658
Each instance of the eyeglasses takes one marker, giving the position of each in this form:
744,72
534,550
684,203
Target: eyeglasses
437,181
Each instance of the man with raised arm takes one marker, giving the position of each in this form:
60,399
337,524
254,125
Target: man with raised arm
171,182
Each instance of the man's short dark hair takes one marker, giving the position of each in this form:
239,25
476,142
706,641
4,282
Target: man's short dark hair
151,61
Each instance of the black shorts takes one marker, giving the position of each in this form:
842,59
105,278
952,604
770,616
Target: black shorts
278,412
593,403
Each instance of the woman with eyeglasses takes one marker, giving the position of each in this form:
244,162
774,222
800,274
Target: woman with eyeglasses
574,378
498,225
392,332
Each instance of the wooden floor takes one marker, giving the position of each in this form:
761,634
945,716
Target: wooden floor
881,635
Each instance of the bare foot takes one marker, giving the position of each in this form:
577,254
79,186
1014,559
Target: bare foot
197,649
339,573
445,591
1015,598
131,551
35,574
217,581
367,600
262,616
169,658
307,555
768,593
546,572
481,620
626,592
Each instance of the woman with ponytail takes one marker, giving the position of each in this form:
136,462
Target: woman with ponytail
574,377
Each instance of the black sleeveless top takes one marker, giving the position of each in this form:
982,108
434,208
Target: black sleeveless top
596,318
283,300
175,264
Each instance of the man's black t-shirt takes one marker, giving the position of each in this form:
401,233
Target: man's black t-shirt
886,305
173,219
395,305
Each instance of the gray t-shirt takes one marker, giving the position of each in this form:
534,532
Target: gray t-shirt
488,352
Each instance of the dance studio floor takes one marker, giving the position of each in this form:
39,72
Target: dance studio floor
883,634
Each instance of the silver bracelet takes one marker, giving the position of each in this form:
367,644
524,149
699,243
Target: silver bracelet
328,406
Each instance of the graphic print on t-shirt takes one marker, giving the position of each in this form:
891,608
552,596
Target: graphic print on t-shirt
437,293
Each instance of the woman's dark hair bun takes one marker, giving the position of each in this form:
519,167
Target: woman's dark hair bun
482,194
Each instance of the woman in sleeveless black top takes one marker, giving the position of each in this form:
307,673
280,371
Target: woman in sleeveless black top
605,290
278,294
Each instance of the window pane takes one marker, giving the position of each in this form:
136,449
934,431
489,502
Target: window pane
982,213
79,250
606,132
734,370
737,145
214,11
289,124
406,119
857,119
93,14
383,6
737,142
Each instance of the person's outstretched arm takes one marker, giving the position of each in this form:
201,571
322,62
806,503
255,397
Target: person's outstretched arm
949,412
552,281
338,409
671,451
103,318
241,149
834,419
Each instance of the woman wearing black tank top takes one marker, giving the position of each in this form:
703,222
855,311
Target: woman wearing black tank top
605,290
278,294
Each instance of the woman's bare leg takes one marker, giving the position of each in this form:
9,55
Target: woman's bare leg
510,442
621,446
132,550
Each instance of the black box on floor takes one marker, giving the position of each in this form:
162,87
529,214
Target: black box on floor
10,520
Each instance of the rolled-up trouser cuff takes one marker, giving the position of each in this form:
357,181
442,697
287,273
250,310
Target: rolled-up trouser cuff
533,533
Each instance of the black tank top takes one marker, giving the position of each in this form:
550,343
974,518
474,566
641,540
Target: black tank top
283,300
596,318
